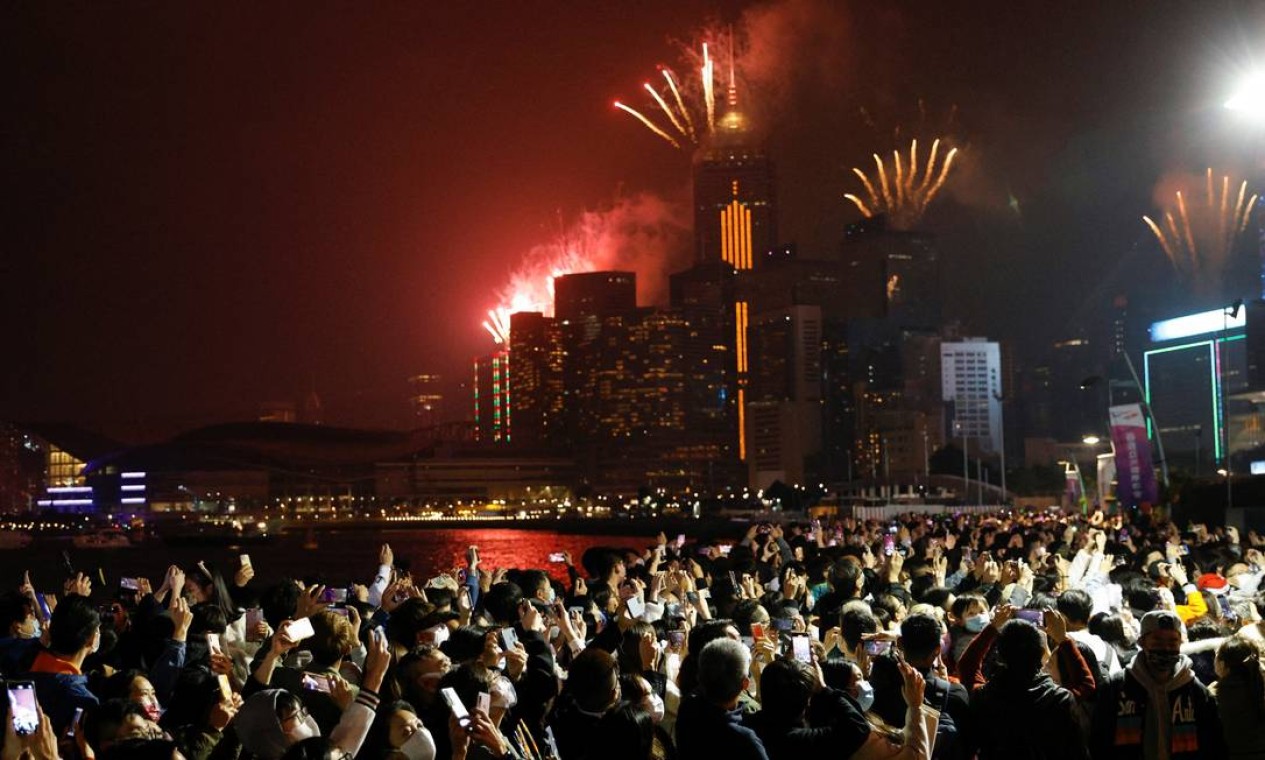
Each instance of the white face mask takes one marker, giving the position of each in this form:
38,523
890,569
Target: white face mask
504,696
305,730
420,746
96,641
437,634
865,695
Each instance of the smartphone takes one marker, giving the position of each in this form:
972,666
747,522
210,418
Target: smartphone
725,549
672,610
757,631
573,611
26,717
508,638
483,703
783,625
676,639
557,557
1036,617
45,613
877,648
336,595
458,708
1185,549
254,616
244,559
315,682
300,629
1226,611
213,643
1124,536
226,689
889,545
635,607
128,584
801,649
967,554
680,540
74,722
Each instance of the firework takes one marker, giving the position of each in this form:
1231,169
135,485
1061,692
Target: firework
905,192
1197,237
684,111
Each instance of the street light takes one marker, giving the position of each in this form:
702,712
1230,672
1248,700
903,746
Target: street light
1091,440
1228,313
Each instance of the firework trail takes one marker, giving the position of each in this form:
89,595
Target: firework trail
1198,238
684,110
905,192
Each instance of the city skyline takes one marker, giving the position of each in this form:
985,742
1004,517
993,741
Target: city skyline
193,237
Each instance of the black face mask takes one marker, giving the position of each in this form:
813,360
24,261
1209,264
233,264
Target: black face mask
1162,662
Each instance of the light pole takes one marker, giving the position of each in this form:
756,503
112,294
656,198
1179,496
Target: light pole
1228,313
1001,425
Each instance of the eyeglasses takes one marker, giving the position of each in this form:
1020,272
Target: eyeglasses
300,715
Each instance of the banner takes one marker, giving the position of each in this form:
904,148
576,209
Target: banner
1135,475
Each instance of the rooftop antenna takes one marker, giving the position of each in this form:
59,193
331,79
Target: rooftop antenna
733,79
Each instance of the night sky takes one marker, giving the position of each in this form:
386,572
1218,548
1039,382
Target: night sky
212,205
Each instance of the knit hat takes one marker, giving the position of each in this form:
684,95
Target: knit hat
1159,620
1212,582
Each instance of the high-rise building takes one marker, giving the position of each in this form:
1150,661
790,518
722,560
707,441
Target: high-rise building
537,389
893,273
426,398
970,371
493,411
784,411
735,212
594,294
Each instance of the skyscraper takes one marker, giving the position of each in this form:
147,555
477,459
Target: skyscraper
970,371
537,363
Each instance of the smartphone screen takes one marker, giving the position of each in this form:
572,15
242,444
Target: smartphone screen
336,595
889,545
245,560
801,649
314,682
509,638
74,722
483,703
128,584
676,639
226,688
635,607
1036,617
557,557
757,631
213,642
45,613
300,629
877,648
458,708
26,718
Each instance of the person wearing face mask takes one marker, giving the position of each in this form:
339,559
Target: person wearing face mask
17,616
272,722
1021,711
1157,707
60,684
801,717
404,735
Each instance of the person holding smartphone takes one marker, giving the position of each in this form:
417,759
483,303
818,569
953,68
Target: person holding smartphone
57,672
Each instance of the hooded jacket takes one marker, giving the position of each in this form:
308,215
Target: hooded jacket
1138,716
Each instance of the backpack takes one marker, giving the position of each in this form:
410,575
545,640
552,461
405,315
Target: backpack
946,739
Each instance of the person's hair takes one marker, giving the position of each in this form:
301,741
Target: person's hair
627,732
786,686
936,596
531,580
1258,602
119,685
75,621
722,668
1076,605
591,679
213,586
407,620
15,608
196,692
629,652
1242,658
1109,627
465,643
332,638
1141,596
501,602
279,602
964,602
1020,650
855,620
846,577
919,636
208,617
1204,629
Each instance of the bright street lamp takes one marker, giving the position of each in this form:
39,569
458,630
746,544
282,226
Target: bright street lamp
1090,440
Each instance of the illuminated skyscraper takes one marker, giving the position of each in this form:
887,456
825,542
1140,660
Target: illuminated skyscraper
493,414
537,363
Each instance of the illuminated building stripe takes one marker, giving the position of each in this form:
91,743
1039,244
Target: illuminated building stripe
742,424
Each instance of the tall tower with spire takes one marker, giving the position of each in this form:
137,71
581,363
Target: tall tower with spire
734,202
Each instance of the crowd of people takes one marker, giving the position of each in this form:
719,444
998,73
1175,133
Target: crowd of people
1005,635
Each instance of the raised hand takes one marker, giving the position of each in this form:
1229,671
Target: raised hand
181,616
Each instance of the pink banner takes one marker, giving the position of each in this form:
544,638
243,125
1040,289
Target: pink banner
1135,475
